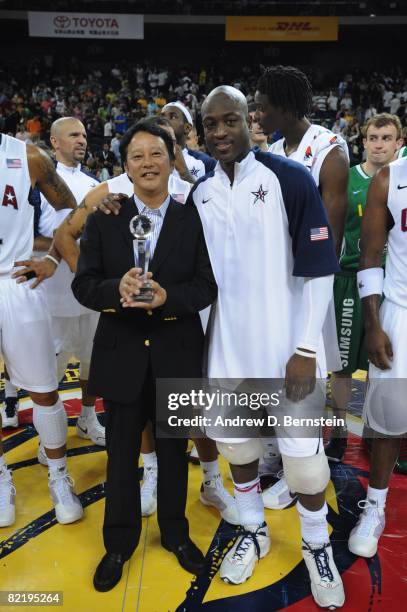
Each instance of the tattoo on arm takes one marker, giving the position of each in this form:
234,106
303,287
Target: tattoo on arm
54,188
71,220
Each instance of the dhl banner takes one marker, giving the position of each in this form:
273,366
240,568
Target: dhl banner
282,29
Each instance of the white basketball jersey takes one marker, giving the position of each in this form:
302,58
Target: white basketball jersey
16,214
60,298
177,188
315,145
395,282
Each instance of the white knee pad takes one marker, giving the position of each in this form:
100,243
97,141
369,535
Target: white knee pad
307,475
84,371
241,453
51,424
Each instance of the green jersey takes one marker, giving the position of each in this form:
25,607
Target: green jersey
358,185
402,152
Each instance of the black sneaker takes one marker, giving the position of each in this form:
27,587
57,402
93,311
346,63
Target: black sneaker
337,446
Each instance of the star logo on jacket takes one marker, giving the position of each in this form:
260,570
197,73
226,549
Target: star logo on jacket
260,194
194,171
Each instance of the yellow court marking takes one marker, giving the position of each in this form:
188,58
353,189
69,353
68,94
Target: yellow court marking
64,557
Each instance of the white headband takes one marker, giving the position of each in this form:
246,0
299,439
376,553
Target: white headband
183,110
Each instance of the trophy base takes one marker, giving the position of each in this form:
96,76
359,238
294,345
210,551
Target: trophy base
146,295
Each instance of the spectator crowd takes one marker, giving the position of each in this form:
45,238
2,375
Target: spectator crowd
111,99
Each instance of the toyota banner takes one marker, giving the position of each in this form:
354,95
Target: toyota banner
85,25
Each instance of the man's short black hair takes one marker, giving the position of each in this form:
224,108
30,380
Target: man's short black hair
288,88
157,120
144,125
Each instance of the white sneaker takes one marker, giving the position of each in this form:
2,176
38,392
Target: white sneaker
326,582
364,537
42,455
213,493
68,508
7,498
252,544
9,412
278,496
90,429
148,492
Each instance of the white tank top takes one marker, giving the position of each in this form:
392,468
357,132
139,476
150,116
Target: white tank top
395,282
315,145
177,188
16,214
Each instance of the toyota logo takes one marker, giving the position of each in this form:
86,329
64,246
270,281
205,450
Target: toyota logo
62,22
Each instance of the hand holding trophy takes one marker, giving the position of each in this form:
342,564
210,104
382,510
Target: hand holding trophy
141,228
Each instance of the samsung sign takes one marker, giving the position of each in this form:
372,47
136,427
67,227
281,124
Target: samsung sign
85,25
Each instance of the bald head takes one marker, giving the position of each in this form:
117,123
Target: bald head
226,93
69,140
225,123
64,124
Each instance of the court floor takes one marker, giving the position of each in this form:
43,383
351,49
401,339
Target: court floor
38,554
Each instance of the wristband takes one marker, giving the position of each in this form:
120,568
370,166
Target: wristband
53,259
370,282
305,354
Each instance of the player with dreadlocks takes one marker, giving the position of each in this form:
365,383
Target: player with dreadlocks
284,101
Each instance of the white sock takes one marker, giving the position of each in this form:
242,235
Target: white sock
314,526
149,460
88,411
210,469
2,462
249,502
56,465
377,495
10,390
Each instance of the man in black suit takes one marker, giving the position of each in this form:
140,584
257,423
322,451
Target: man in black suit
136,343
107,158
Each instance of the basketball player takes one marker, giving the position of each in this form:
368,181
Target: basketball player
213,492
178,115
381,141
384,220
268,321
26,338
284,100
73,325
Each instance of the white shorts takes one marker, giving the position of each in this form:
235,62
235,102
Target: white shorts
26,338
73,337
385,408
293,440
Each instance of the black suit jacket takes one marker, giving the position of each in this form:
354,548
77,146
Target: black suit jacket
170,338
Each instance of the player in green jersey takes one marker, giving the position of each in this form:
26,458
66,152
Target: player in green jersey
382,140
401,152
